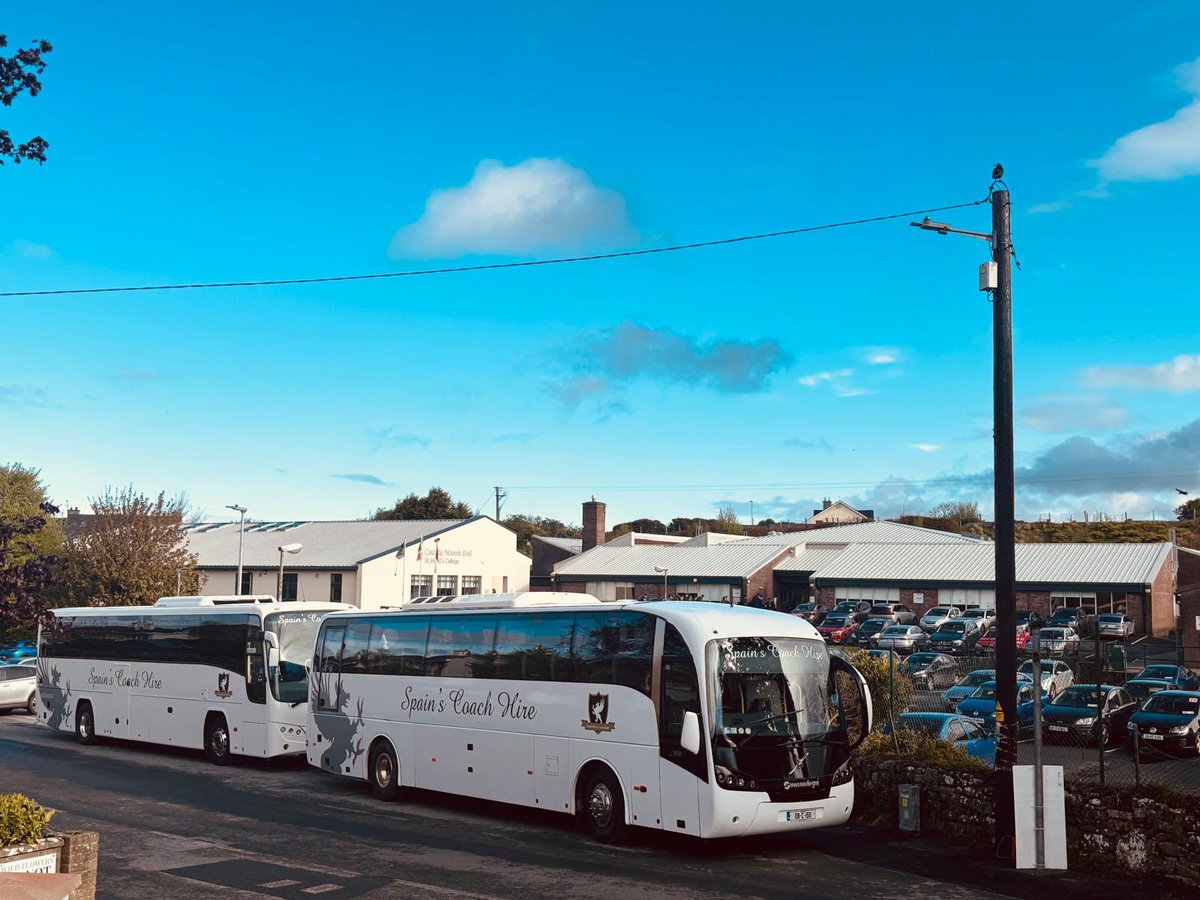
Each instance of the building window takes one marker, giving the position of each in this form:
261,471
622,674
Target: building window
247,581
422,586
290,584
335,587
447,585
1082,599
472,584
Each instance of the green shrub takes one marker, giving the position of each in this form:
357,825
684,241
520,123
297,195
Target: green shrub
920,748
22,821
884,685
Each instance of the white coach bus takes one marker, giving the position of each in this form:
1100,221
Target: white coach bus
226,674
690,717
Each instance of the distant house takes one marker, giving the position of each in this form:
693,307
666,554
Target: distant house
835,512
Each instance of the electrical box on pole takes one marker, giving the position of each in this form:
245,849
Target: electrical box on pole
989,276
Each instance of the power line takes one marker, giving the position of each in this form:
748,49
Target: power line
412,273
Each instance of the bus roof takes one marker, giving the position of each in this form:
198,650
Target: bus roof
257,604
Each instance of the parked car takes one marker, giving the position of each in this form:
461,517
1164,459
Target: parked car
902,638
1059,640
958,730
1170,720
938,616
987,643
813,612
930,671
966,686
984,618
1114,625
18,688
1181,677
897,612
837,628
884,654
981,705
859,610
1056,675
1023,617
1081,622
15,650
1143,689
1075,715
955,636
868,631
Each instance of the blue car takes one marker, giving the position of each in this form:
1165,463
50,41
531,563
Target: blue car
980,707
958,730
17,651
1181,677
966,686
1143,689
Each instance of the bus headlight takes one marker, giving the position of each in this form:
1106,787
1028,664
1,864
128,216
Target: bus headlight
733,781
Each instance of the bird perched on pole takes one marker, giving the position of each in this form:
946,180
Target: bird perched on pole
997,172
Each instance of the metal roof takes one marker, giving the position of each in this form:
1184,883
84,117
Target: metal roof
736,560
573,545
327,545
1130,564
867,532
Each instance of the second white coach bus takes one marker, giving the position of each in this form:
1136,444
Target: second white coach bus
691,717
226,674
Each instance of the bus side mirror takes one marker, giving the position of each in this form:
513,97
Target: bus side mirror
272,657
271,639
689,740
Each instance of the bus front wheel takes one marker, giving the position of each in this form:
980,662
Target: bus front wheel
216,741
603,809
85,725
384,773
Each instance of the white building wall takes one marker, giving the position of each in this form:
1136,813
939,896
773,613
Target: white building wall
481,549
311,585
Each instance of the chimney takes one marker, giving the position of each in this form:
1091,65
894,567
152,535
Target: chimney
593,524
826,503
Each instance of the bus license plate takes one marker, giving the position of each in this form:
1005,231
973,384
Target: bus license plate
801,815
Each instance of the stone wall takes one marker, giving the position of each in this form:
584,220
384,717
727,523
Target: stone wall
1157,834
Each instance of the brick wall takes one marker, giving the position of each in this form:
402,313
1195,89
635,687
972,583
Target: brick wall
1189,611
81,851
1162,600
928,602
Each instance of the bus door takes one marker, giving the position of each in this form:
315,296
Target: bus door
680,772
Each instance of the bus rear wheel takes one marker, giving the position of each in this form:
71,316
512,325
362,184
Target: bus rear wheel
85,725
216,741
602,811
383,772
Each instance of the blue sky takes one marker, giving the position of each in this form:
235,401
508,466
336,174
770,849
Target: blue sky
209,143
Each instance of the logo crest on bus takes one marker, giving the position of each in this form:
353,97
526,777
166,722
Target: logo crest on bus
223,686
597,720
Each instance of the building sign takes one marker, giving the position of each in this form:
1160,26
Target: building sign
38,863
918,598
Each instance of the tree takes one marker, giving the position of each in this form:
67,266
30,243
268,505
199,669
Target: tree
685,525
130,551
959,510
727,521
18,75
642,526
527,527
30,544
437,504
1189,510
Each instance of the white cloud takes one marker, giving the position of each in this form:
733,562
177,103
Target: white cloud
1060,413
1179,375
1051,207
514,210
851,391
31,250
1164,150
881,356
926,448
820,377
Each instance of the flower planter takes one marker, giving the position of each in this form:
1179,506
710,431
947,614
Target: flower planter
43,857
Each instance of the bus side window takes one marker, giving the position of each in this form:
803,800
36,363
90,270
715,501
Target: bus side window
534,647
680,694
355,646
461,646
614,648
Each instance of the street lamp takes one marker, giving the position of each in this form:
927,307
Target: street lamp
662,570
996,277
241,511
284,548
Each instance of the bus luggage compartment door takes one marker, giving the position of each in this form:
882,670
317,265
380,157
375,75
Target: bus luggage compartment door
552,774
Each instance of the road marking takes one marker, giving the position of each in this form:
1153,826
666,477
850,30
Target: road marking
284,882
322,888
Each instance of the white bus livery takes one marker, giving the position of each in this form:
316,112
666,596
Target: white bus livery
690,717
226,674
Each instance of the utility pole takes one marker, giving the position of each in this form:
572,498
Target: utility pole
500,495
1006,549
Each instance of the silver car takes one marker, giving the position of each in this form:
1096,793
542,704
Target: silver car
1114,625
18,688
902,638
1059,640
938,616
1056,675
985,618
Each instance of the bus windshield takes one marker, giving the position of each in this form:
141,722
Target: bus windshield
772,713
297,633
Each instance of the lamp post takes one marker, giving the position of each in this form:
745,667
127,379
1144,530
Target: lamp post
241,511
178,580
662,570
996,278
284,548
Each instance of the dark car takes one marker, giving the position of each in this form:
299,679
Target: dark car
1076,717
1023,618
930,671
858,610
955,636
869,630
1072,617
1143,689
1170,720
1180,677
897,612
813,612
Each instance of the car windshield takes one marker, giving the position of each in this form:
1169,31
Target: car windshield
937,611
1174,704
931,727
1144,689
835,621
772,711
1165,672
985,692
954,627
1078,696
896,631
1052,634
973,614
1111,619
1027,669
297,634
974,679
918,662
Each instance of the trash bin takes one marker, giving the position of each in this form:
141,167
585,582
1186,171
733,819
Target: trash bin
910,808
1116,657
